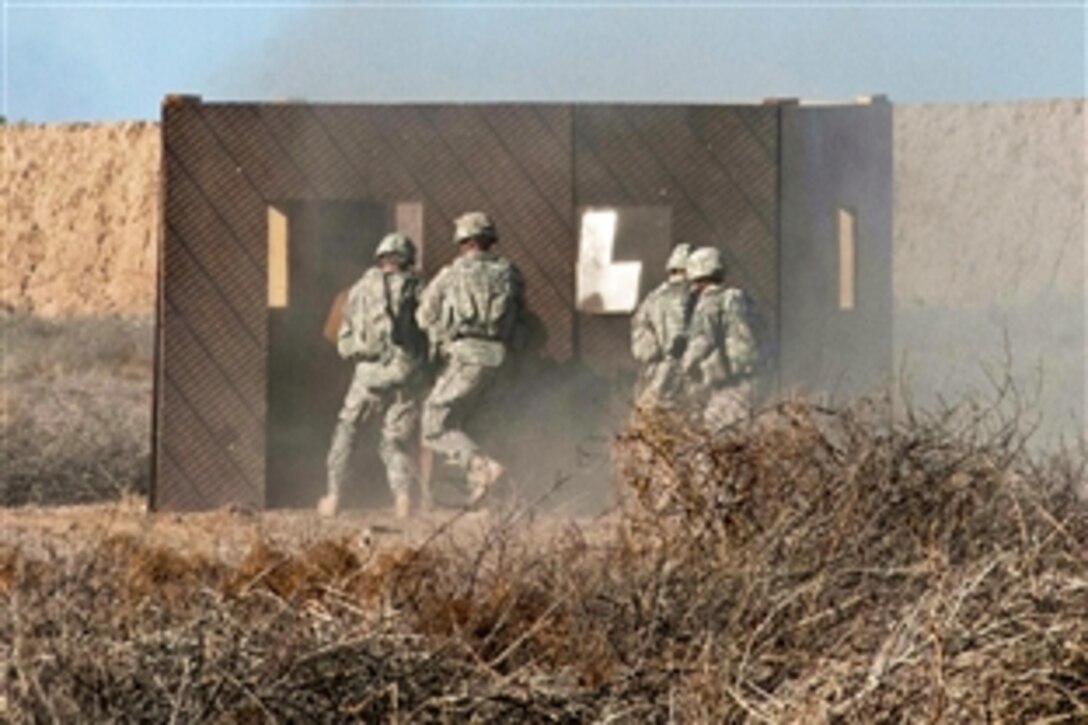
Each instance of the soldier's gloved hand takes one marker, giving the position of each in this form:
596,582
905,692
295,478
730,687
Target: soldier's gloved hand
679,347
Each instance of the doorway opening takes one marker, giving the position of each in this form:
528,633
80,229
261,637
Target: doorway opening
316,251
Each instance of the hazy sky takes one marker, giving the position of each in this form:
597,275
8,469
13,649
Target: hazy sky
80,60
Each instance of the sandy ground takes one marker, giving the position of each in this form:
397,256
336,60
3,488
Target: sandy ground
227,535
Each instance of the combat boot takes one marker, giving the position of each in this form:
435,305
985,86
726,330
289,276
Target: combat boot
329,505
483,472
402,505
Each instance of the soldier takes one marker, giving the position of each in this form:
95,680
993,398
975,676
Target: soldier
473,313
379,334
659,334
722,355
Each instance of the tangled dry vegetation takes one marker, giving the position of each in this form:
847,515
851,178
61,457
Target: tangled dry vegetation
812,566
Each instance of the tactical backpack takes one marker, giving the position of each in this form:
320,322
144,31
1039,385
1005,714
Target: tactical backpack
384,309
482,300
733,360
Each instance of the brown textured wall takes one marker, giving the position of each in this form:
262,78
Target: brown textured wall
80,206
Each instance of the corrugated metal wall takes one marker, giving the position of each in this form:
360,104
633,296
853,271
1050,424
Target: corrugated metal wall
714,169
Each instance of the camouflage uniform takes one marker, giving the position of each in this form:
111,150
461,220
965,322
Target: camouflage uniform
659,336
722,356
472,312
380,334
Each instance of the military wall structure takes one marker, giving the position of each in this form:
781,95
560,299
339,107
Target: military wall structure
836,249
985,269
269,210
990,238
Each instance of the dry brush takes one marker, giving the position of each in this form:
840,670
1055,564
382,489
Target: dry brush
811,565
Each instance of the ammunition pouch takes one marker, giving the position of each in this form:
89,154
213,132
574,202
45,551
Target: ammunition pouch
476,351
678,347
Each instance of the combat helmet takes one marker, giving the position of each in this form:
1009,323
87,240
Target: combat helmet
474,225
678,259
396,244
705,263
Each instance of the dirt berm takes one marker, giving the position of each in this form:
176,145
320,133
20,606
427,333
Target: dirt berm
80,217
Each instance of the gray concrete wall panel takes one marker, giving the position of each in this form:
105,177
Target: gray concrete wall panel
835,158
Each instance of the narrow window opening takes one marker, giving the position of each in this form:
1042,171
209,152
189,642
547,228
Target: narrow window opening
847,259
616,247
277,258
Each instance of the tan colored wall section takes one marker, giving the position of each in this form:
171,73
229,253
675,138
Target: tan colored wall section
80,206
990,238
989,202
